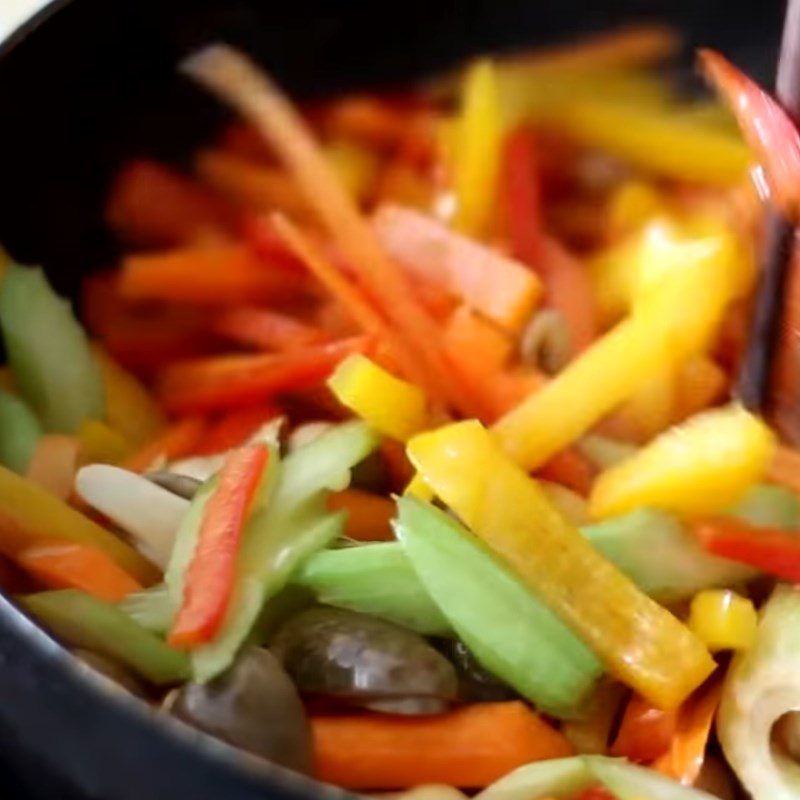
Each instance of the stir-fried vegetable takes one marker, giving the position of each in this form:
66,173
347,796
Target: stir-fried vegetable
504,624
638,640
48,352
20,431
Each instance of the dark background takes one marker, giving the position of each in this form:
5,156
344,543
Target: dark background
97,83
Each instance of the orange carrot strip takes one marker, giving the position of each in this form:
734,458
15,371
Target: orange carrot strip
349,296
54,464
785,468
207,275
570,469
151,204
243,140
701,383
221,382
175,441
478,338
369,515
397,464
569,290
240,83
266,329
645,732
498,287
470,747
254,186
367,119
69,565
235,428
684,759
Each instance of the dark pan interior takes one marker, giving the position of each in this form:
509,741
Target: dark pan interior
95,82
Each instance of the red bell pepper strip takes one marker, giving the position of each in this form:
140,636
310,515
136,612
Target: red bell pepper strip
235,428
175,441
230,381
521,195
767,128
645,732
209,579
774,551
265,329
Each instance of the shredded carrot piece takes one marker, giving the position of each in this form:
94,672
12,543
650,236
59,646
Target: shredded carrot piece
266,329
175,441
369,516
54,464
645,732
570,469
236,80
235,428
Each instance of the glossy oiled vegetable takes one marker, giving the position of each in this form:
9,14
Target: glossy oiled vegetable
500,619
83,621
700,467
48,352
640,642
253,706
761,687
19,433
723,619
375,579
365,661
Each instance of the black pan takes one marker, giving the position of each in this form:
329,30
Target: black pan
90,82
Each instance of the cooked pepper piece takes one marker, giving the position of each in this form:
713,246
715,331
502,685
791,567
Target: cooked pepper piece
640,642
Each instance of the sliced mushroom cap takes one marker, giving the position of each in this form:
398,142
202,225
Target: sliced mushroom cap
365,661
254,706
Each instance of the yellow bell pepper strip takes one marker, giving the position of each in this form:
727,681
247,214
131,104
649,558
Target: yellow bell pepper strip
477,149
723,619
661,333
655,140
101,444
641,643
632,205
699,467
390,405
29,514
130,409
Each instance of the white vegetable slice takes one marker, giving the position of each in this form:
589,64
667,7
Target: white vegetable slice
148,513
761,687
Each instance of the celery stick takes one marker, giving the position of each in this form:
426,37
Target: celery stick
375,579
659,556
762,685
769,506
509,631
48,352
151,608
19,432
285,530
84,621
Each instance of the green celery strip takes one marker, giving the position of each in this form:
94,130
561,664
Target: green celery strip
19,432
374,579
151,608
511,633
84,621
769,506
48,352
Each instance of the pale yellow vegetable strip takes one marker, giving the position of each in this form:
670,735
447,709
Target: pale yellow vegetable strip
641,643
239,82
659,142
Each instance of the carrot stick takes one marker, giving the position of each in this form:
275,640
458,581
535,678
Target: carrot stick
205,275
223,382
265,329
175,441
243,140
237,81
569,290
153,205
349,296
684,759
701,383
470,747
570,469
54,464
68,565
369,515
235,428
645,732
251,185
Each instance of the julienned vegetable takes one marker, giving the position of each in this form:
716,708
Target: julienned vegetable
48,352
83,621
498,617
761,687
640,642
20,430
